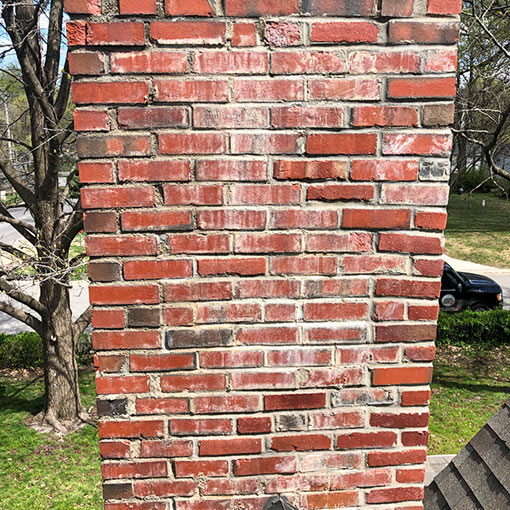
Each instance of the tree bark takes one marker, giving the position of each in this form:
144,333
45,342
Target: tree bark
62,407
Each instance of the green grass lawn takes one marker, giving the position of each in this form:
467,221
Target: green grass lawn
479,234
469,386
38,472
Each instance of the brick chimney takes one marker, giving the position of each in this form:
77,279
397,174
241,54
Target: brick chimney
265,184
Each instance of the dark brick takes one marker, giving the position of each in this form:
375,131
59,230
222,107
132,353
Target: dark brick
100,222
104,271
438,114
117,490
338,7
290,422
112,407
144,317
434,170
202,338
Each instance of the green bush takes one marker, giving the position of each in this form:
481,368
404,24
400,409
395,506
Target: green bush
474,328
25,350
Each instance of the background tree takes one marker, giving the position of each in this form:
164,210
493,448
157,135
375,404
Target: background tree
33,168
482,125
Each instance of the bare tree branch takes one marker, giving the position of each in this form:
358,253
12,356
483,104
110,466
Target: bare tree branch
81,323
22,316
21,297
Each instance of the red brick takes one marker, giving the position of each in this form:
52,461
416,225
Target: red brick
82,6
265,466
148,117
244,34
123,384
336,420
236,446
160,406
154,170
368,116
149,62
199,91
405,332
310,265
304,219
254,425
161,363
115,34
267,243
307,62
135,506
423,32
230,62
362,62
110,92
268,89
266,194
301,442
99,198
362,89
233,266
344,31
421,353
228,116
333,143
178,194
192,143
151,469
397,8
188,32
376,459
420,144
442,61
376,218
86,63
137,6
427,220
414,438
415,398
91,120
109,340
134,221
257,380
403,88
344,242
200,426
109,362
306,116
294,401
402,375
407,288
355,440
120,245
283,288
410,244
231,219
178,316
198,291
95,173
156,269
423,312
102,145
338,7
268,335
164,488
369,478
265,143
395,495
389,311
114,449
444,7
196,243
124,294
131,429
227,404
228,312
192,468
410,475
335,311
330,499
280,312
189,8
193,382
108,319
384,170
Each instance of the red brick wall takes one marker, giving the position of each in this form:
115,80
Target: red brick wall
265,183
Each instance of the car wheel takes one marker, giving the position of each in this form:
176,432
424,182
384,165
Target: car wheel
480,307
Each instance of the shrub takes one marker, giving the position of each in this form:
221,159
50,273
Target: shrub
25,350
474,328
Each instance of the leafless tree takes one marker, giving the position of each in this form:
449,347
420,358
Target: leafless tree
482,125
57,219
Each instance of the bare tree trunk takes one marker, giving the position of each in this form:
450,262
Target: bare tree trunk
62,407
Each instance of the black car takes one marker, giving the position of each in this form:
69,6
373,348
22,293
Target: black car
462,291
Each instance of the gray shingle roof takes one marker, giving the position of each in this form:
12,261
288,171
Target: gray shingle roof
478,478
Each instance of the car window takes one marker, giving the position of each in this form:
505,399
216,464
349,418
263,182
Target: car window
448,281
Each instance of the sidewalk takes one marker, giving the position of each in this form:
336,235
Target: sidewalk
435,464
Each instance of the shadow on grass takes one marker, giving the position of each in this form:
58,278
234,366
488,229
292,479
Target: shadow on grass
12,400
446,382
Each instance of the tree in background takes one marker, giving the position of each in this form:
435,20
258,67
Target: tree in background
482,126
32,161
